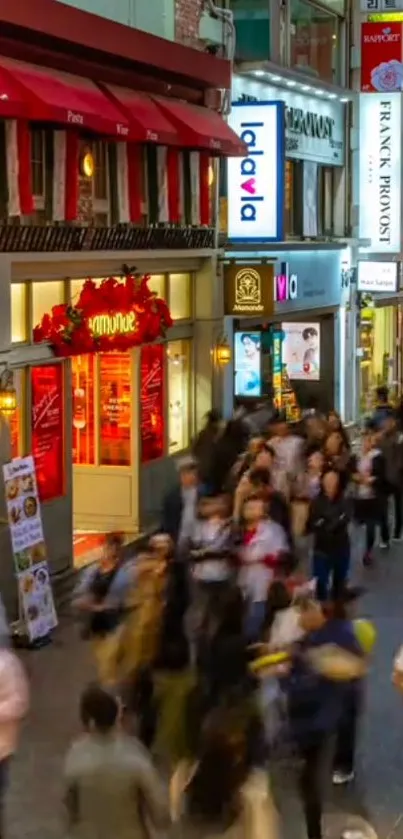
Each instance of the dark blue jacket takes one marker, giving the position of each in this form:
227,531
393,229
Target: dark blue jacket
316,704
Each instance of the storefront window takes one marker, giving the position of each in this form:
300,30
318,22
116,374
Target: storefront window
178,354
378,345
252,25
47,420
83,378
180,299
294,199
16,420
157,284
44,297
314,41
19,312
114,409
152,398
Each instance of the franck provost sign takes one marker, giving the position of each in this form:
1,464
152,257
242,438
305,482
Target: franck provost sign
380,171
256,182
314,127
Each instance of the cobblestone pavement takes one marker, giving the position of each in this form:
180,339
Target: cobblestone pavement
59,671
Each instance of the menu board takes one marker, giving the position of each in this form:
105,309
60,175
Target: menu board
47,429
29,550
152,402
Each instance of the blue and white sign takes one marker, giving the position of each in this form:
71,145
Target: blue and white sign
256,182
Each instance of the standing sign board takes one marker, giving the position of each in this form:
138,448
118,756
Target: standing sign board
29,551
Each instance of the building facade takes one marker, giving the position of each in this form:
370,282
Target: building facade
377,194
111,175
301,227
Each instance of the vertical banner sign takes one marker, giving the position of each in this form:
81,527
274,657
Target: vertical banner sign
29,551
47,429
381,57
310,198
380,171
277,370
152,429
256,182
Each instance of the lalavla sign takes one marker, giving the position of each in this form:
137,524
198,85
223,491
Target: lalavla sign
314,127
256,181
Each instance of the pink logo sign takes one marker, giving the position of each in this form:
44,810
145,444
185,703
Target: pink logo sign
249,186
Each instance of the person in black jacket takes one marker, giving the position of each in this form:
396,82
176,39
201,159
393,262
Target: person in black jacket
328,521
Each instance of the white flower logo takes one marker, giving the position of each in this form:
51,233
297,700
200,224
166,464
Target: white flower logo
388,76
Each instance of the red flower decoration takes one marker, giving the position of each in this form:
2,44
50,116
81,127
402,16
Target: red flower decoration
68,328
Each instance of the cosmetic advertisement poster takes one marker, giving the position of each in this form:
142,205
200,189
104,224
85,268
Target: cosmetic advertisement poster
29,551
247,364
301,350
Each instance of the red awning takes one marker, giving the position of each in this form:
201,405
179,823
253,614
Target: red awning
13,103
148,123
61,98
201,128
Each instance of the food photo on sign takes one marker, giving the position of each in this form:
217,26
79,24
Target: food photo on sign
37,609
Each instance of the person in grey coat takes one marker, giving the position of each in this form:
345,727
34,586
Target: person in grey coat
112,787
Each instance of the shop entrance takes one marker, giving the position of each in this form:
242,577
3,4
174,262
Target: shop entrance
104,448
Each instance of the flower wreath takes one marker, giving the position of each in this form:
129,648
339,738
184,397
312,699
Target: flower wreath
68,328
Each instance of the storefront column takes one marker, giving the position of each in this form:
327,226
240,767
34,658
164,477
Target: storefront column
208,327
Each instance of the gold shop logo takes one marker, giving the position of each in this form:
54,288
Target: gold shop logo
248,291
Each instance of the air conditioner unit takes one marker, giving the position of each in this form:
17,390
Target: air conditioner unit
211,30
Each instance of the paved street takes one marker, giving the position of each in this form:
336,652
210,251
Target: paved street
59,671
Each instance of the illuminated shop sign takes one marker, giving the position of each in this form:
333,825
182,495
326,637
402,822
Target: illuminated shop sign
285,285
256,182
314,128
116,324
381,6
377,277
380,171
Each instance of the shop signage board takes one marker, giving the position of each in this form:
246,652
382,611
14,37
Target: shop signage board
47,429
152,396
285,284
249,290
380,171
381,57
29,551
377,277
256,182
381,6
314,127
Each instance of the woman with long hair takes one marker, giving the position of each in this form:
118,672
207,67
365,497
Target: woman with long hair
223,791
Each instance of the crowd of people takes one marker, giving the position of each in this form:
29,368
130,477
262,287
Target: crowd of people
233,639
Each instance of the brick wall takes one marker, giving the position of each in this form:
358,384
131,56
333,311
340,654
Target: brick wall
187,18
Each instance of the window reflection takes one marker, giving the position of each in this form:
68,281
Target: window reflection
179,395
44,297
314,41
18,312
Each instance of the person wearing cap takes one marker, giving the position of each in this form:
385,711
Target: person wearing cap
179,510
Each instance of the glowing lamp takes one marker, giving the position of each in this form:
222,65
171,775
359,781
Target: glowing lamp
87,164
8,396
223,352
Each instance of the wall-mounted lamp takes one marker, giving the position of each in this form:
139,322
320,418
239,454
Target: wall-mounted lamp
87,165
223,351
8,396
